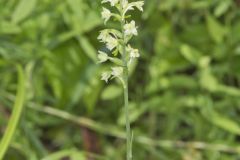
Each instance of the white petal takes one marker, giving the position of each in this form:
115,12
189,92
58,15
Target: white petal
106,76
103,36
117,71
106,14
102,57
130,28
111,43
112,2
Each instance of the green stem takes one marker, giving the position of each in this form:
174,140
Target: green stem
16,114
126,108
125,87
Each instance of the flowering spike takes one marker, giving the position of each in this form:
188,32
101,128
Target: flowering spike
117,42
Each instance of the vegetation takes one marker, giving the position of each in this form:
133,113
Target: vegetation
183,89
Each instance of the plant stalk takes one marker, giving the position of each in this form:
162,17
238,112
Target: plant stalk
126,110
125,87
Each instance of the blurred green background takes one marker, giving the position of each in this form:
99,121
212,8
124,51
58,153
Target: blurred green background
184,90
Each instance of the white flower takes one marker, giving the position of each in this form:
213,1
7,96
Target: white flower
130,28
130,6
139,5
103,36
112,2
117,71
134,53
103,57
111,42
106,14
125,3
106,75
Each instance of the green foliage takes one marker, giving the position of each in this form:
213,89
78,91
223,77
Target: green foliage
183,90
16,113
23,10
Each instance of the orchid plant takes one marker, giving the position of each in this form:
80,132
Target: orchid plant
117,42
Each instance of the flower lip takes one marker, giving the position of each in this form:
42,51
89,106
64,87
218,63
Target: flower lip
130,28
134,53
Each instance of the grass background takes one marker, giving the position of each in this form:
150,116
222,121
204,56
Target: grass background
184,90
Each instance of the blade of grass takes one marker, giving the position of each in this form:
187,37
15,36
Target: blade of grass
70,153
16,113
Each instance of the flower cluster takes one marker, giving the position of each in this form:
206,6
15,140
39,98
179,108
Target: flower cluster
117,40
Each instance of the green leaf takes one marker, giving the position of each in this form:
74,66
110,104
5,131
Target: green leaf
208,80
203,4
111,92
190,53
9,28
216,30
204,62
135,110
228,90
222,8
116,61
223,122
73,153
78,156
88,48
23,10
91,95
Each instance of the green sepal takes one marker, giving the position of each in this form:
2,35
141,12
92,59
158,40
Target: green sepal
120,49
128,38
116,61
115,52
117,17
